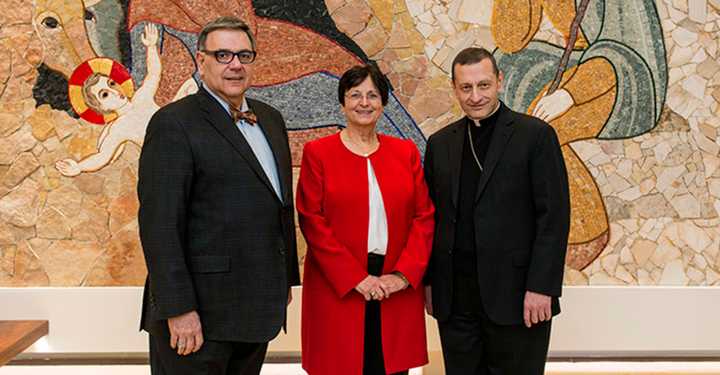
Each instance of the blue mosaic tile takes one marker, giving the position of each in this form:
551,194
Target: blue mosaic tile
311,102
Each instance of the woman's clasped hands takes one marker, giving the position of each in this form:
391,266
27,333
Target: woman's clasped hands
381,287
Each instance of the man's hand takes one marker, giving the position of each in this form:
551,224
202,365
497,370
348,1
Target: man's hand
536,308
552,106
186,333
371,288
428,299
392,283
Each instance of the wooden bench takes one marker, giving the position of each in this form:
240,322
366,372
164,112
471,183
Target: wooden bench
18,335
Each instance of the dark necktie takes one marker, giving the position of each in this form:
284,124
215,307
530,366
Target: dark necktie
248,116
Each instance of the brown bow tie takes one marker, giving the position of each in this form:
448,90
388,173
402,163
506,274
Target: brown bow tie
248,116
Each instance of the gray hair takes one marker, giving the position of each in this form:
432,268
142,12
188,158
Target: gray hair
224,23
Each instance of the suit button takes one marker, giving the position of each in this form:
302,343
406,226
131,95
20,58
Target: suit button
450,251
282,251
454,221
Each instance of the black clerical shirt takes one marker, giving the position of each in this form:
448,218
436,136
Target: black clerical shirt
466,293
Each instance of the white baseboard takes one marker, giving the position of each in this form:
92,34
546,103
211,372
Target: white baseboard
595,322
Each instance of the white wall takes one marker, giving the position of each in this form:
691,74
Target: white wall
596,321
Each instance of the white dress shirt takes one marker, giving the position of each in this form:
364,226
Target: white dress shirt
377,225
255,137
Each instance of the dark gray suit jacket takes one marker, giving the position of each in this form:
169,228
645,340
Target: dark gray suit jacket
521,215
216,237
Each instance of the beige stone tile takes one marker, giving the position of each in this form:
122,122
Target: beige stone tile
684,37
674,274
697,10
601,278
642,250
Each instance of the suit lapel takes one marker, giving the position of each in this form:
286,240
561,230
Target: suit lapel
455,150
500,137
221,121
275,135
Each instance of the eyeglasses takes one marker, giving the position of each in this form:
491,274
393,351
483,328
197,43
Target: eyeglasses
357,96
224,56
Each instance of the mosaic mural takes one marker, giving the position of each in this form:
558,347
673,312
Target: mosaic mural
632,88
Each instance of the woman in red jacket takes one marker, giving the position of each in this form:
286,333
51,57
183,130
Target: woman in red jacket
368,220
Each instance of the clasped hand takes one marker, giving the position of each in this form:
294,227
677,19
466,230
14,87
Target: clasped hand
379,288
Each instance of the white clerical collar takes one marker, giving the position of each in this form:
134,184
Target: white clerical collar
478,123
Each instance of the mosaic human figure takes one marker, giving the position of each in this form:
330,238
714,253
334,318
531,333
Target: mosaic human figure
103,95
612,86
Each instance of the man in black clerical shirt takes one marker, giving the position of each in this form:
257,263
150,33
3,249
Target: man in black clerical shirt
499,184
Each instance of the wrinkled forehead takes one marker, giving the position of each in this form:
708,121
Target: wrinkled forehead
366,85
228,39
475,73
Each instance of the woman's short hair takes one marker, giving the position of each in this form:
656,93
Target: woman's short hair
356,75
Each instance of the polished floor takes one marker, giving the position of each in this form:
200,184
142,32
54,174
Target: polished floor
268,369
553,368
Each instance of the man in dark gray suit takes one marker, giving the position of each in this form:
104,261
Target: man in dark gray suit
216,218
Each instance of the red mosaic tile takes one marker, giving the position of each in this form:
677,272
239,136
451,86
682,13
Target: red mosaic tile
171,14
581,255
188,15
178,66
287,51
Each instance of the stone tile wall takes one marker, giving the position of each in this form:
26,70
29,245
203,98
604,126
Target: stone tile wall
652,199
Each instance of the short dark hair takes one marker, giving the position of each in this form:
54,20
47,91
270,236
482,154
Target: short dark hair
224,23
473,55
356,75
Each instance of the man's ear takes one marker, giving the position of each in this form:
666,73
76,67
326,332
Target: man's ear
200,60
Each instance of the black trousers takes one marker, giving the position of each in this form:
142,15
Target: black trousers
473,345
213,358
374,363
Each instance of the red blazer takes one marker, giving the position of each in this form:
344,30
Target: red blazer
333,207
